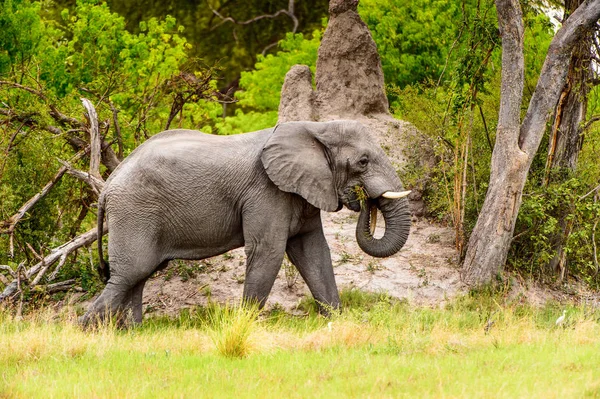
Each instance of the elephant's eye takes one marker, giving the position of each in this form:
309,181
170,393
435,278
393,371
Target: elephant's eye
363,162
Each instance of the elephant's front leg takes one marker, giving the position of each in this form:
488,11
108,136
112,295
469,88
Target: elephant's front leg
310,254
265,249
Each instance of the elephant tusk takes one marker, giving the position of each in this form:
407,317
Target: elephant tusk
373,220
395,194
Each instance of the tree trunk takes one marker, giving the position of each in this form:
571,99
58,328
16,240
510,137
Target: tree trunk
490,240
516,142
566,137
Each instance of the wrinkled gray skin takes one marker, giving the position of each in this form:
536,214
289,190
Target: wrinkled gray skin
188,195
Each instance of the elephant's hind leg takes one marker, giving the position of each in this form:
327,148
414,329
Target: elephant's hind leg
135,297
123,291
133,302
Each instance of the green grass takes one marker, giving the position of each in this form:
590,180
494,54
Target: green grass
377,347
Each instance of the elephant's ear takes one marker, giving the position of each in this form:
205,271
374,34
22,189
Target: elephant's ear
296,161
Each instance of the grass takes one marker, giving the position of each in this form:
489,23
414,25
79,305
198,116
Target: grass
378,347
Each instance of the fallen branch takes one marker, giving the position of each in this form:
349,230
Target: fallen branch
96,184
8,226
62,286
9,270
58,254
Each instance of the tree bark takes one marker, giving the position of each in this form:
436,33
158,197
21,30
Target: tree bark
517,143
566,136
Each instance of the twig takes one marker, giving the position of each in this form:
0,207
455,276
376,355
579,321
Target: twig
290,12
487,132
595,189
594,239
591,121
115,113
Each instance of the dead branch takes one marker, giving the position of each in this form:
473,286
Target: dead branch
58,254
94,138
20,290
109,158
594,240
62,286
8,226
28,89
115,113
96,184
590,122
9,270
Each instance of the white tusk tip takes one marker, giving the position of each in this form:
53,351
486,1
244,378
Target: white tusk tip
395,194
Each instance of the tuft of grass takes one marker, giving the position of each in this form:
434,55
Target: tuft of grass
232,327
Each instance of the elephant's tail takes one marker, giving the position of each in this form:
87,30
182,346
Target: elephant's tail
103,267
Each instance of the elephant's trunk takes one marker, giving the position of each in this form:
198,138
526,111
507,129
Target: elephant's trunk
397,226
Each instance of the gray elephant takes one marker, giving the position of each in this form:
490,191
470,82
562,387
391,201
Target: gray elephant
184,194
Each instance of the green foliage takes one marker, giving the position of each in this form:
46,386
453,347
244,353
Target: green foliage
235,47
19,45
545,214
413,38
261,88
459,113
45,70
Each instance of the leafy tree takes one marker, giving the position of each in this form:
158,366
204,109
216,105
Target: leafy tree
138,82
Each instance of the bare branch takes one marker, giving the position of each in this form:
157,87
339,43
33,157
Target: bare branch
94,138
9,270
592,191
96,184
109,158
290,12
58,254
8,226
115,113
62,286
29,89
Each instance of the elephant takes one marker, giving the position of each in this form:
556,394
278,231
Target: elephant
184,194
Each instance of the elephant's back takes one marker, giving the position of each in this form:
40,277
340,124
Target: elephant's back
189,168
181,152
